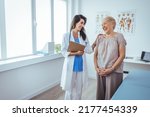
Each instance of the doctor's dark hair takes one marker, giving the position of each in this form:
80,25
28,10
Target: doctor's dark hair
75,20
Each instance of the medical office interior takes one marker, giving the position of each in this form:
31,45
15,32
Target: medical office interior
30,41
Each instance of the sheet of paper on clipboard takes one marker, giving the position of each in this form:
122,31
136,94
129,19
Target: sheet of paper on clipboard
74,47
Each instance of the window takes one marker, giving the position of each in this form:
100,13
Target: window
27,25
60,20
0,47
18,27
43,19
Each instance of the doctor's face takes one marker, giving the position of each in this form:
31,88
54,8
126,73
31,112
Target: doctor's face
80,25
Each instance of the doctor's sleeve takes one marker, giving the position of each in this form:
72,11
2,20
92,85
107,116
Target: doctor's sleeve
88,49
64,46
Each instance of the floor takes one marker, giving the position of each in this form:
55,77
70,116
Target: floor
56,93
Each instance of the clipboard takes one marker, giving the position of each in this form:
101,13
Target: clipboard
74,47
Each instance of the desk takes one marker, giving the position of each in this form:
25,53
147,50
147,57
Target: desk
135,63
136,86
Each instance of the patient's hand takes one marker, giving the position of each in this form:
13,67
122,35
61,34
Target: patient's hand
105,72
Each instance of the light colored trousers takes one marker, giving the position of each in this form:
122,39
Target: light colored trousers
75,91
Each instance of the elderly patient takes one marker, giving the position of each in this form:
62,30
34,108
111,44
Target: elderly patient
109,52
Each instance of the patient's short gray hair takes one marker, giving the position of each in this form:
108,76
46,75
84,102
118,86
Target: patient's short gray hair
110,19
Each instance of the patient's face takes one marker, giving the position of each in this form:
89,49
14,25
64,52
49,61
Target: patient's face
107,26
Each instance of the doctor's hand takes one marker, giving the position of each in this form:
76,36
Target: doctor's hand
79,52
76,53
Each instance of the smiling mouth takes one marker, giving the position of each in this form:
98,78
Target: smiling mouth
104,28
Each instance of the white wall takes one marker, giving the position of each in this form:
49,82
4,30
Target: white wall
137,42
28,81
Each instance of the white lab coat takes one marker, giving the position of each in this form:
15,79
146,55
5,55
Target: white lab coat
69,60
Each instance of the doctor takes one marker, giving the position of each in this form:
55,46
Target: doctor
74,74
